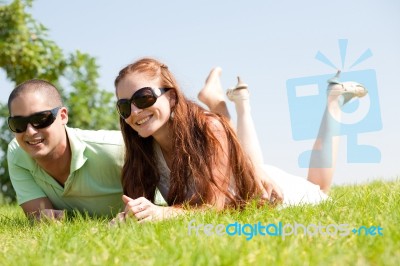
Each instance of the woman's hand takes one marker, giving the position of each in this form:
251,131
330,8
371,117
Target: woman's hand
270,189
144,210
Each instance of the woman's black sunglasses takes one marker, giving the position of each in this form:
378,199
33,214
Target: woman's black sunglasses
142,98
18,124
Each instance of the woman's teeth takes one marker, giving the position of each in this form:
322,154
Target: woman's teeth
144,120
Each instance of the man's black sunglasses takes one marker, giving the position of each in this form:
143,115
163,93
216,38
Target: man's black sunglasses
142,98
18,124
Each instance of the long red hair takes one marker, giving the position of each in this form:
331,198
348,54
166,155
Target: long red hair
195,151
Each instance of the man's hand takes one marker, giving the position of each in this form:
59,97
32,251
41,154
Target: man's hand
41,209
50,214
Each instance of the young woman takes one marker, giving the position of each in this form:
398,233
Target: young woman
192,156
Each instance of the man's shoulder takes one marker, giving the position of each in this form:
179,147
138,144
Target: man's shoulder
16,154
13,145
106,137
99,146
13,148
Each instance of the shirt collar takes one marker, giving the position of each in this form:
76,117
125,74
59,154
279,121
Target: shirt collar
78,147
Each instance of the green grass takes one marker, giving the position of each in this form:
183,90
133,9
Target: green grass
86,241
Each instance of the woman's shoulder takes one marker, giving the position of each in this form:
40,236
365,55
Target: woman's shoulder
218,127
214,122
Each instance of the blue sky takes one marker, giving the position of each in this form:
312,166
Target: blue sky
267,43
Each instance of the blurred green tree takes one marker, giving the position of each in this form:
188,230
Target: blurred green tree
26,52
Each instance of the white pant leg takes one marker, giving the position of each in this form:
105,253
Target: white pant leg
296,190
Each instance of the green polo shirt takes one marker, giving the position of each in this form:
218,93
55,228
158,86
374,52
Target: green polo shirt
94,182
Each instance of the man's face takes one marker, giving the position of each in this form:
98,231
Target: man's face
45,143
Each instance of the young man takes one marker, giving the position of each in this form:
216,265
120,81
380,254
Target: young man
55,168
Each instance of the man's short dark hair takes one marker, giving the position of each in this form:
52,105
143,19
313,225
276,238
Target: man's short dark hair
37,85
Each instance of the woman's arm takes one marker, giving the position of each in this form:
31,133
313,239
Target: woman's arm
268,187
220,168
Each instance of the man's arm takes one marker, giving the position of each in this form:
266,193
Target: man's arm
36,204
41,209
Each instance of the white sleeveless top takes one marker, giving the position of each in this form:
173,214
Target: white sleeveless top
164,184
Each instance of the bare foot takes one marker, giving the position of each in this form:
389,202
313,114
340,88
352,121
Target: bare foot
212,93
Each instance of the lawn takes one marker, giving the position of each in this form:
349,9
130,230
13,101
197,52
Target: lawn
321,235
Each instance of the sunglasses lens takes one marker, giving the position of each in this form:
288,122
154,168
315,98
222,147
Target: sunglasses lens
42,120
18,124
124,108
144,98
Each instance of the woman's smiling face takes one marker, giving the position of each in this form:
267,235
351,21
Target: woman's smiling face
150,121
